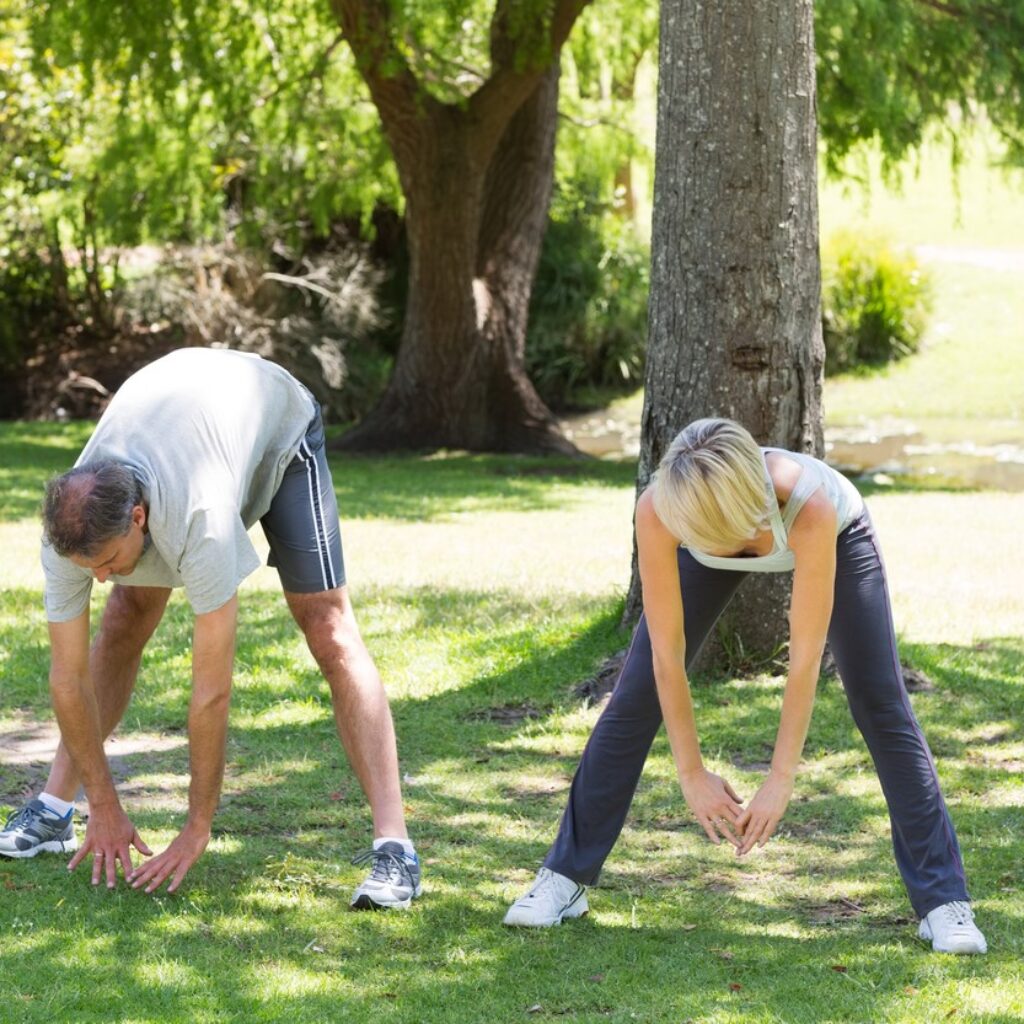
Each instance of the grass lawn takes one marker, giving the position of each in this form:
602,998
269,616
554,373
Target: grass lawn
486,587
967,384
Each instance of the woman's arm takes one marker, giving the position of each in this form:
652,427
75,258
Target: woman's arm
712,800
813,541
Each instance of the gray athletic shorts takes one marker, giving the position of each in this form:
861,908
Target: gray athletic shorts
302,523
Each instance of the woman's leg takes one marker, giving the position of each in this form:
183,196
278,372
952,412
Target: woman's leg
863,642
613,759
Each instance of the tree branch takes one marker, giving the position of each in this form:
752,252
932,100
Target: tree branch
315,73
984,12
939,5
369,28
510,81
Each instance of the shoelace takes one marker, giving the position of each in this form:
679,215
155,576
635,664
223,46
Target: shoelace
958,913
22,817
387,867
543,885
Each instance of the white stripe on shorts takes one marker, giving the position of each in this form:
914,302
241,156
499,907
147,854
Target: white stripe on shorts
316,505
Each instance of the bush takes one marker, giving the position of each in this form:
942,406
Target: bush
588,311
875,303
314,313
46,302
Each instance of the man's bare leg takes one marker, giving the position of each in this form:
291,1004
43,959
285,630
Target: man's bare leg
129,619
361,711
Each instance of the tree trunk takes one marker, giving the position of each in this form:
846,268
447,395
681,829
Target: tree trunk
477,180
735,324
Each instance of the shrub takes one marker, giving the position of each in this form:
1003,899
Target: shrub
314,313
588,311
875,303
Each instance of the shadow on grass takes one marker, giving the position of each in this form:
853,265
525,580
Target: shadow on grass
414,488
301,958
260,934
32,453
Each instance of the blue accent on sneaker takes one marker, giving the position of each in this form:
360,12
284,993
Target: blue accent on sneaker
393,881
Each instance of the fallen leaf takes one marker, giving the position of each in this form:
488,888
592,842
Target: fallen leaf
725,954
734,986
536,1008
910,990
688,928
839,967
596,977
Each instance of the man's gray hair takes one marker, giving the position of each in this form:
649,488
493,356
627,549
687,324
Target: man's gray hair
89,506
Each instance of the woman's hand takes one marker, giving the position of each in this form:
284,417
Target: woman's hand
757,823
715,804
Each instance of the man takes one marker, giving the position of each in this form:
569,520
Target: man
193,450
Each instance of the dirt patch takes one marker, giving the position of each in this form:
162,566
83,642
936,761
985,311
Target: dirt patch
595,688
916,680
537,789
835,910
991,739
27,748
506,714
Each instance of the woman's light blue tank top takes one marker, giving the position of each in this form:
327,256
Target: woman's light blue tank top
813,474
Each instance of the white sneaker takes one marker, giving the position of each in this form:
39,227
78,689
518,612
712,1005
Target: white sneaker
552,898
951,929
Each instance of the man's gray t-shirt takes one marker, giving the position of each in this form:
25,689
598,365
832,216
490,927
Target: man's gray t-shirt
209,432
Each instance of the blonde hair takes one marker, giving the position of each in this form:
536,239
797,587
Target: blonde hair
710,489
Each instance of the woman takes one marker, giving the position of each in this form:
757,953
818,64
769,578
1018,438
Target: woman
718,508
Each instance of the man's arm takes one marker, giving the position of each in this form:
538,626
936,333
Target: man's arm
110,833
213,652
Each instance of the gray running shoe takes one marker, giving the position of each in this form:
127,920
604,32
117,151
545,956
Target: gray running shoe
393,881
36,829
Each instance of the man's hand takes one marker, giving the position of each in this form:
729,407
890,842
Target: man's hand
175,861
715,804
109,837
759,821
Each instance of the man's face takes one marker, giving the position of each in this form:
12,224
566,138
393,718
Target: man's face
119,556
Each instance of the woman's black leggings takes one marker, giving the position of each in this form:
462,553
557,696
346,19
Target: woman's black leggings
864,646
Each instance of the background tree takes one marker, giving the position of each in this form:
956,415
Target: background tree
250,120
735,324
893,72
476,173
467,105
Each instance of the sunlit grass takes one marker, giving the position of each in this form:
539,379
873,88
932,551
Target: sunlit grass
503,602
968,382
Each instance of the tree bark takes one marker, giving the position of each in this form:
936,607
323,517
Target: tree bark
735,323
477,180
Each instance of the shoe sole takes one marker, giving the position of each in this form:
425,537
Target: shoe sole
968,949
54,846
364,902
570,913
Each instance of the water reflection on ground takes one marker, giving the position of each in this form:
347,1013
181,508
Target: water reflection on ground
910,454
884,452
